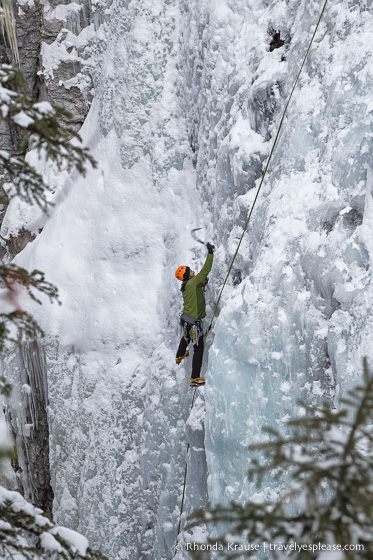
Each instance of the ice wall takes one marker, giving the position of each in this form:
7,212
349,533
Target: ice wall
117,403
296,317
186,108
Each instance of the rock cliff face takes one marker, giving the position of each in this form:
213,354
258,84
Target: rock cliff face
27,417
184,116
67,36
54,42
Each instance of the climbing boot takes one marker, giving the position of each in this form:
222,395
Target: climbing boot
197,381
179,359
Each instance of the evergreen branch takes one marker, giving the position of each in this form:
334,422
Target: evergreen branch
38,125
12,276
363,409
25,182
25,326
327,462
25,533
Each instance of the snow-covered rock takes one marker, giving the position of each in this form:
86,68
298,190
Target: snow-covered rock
187,105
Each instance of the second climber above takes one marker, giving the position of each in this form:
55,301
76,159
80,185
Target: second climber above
194,311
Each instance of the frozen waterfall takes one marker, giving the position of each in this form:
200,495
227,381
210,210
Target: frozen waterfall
187,102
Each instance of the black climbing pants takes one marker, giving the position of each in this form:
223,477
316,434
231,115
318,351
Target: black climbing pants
197,353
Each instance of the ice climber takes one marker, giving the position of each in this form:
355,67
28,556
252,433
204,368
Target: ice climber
194,311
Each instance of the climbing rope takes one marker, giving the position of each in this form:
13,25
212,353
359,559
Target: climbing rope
244,231
268,162
184,486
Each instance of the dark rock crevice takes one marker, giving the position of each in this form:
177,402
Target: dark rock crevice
276,42
30,429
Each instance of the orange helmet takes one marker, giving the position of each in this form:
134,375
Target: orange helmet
182,273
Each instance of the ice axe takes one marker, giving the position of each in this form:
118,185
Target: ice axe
194,235
209,246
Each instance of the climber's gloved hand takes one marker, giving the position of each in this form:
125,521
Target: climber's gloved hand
210,247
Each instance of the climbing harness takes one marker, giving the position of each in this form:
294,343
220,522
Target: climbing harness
196,332
183,327
192,329
243,233
195,335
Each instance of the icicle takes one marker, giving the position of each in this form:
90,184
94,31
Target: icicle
8,26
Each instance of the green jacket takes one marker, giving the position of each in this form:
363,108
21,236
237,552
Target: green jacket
193,294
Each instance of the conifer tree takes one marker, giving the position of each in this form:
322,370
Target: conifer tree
26,533
324,469
37,125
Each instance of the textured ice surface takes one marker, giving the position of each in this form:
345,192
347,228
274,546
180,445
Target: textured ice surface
191,96
118,405
300,321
